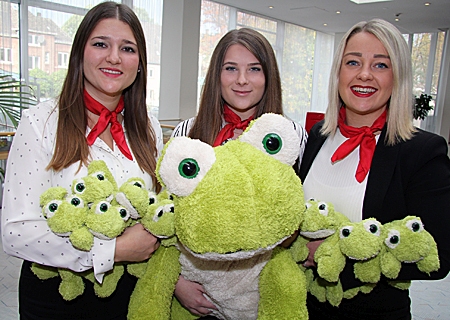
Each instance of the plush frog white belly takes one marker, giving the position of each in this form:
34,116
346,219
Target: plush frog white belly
234,204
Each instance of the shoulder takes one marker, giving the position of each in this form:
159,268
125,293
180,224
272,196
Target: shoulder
42,115
183,128
425,142
41,110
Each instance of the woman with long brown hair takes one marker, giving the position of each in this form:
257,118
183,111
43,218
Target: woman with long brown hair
100,114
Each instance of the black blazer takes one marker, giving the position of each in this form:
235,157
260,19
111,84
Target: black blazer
409,178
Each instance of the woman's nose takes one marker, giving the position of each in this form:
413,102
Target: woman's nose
113,56
241,79
365,74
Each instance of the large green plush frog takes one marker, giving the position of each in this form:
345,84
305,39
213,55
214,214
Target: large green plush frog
234,205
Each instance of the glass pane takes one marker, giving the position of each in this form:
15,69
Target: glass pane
419,55
213,25
51,31
297,72
9,41
149,13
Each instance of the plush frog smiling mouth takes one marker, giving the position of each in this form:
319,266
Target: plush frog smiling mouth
233,205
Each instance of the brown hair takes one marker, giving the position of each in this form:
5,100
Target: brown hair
71,143
208,121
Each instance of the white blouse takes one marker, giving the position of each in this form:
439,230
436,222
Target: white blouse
25,233
336,182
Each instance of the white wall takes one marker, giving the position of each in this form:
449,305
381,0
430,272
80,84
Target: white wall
179,60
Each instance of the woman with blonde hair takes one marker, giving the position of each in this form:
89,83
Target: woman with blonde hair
368,160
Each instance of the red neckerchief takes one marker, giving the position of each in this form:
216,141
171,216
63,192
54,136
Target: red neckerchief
364,137
233,122
107,117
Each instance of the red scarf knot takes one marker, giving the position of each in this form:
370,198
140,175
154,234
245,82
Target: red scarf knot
105,118
233,122
363,137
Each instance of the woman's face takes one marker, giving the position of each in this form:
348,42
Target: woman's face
111,59
242,80
365,79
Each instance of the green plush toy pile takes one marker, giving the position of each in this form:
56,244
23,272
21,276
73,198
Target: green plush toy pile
377,249
234,204
96,207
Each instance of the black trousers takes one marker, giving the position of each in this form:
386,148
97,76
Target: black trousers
40,299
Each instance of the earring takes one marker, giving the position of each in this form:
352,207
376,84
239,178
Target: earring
139,70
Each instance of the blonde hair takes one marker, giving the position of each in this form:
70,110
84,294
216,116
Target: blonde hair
400,113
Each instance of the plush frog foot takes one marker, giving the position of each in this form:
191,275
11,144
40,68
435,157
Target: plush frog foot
234,204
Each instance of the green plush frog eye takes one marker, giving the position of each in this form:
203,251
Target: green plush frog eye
346,231
100,177
373,227
161,210
393,239
76,201
184,164
272,143
188,168
79,187
152,197
415,225
51,208
323,209
123,213
102,207
268,134
137,184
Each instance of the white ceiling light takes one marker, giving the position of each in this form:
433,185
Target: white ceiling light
368,1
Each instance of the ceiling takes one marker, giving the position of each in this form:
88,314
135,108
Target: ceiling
414,16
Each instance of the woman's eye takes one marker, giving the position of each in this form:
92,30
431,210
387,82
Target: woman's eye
381,65
230,68
255,69
352,63
99,44
129,49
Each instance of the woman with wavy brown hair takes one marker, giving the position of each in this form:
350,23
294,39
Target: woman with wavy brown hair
101,114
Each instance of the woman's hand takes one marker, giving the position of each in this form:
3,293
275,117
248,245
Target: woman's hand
312,246
135,244
190,295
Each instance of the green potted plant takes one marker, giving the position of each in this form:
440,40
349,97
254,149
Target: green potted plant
422,106
14,97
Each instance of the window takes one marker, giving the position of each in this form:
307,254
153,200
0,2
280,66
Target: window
33,39
63,59
47,58
34,62
304,56
5,54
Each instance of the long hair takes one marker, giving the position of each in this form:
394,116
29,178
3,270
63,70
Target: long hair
208,121
71,145
400,113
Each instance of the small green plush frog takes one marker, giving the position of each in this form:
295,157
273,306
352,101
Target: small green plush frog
234,204
407,241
